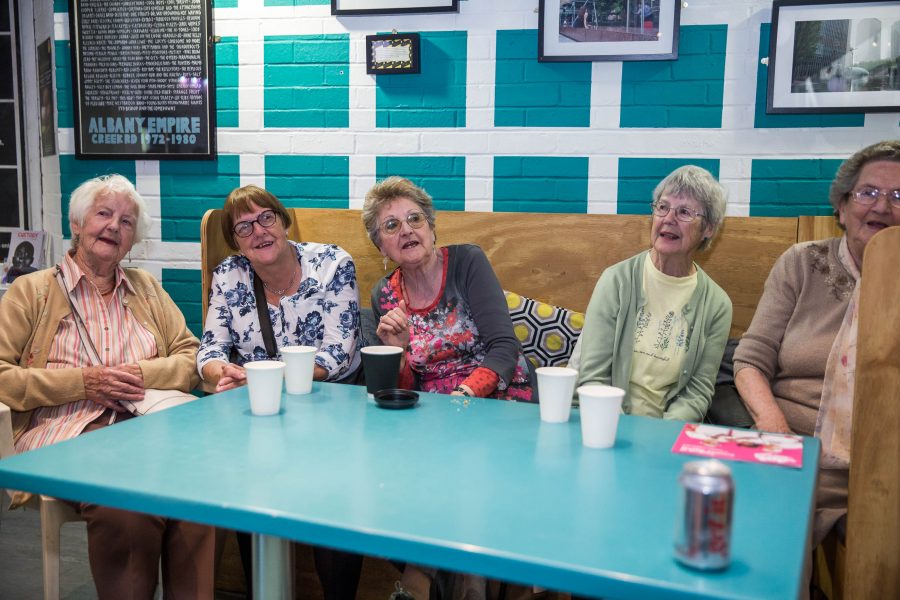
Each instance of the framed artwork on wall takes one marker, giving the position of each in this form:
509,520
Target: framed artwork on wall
834,56
392,7
392,54
612,30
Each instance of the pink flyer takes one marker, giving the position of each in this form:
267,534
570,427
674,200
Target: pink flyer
747,445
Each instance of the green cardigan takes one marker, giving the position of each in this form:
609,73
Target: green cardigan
607,341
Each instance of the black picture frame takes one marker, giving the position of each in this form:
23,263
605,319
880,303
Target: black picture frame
392,7
146,88
825,57
393,54
582,30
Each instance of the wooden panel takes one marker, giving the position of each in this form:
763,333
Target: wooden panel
817,228
556,258
873,522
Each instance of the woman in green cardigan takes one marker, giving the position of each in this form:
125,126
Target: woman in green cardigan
657,324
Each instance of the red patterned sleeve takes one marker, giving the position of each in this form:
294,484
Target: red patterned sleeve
482,382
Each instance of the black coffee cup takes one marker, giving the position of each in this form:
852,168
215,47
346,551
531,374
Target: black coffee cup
381,365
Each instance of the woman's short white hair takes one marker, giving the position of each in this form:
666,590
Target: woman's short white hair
86,194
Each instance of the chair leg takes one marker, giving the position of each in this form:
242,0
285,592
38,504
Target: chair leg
53,514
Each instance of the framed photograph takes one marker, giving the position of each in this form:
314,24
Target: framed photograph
588,30
392,7
392,54
834,56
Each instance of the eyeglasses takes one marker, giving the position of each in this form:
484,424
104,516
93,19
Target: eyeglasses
392,226
265,219
870,195
682,213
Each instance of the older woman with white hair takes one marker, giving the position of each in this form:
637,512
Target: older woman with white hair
657,325
80,341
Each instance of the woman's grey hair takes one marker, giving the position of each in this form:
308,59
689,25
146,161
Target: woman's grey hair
86,194
848,173
386,191
696,182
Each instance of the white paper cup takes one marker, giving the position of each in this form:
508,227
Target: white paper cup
599,406
298,371
264,379
555,388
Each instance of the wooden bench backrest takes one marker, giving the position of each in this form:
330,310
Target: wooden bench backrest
555,258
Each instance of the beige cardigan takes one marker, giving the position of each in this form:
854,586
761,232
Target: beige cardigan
30,313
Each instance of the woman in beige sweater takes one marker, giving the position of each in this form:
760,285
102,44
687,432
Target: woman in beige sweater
780,364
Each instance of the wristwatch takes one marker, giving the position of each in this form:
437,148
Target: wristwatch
461,390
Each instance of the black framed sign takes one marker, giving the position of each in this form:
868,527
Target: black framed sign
597,30
392,54
834,56
392,7
142,78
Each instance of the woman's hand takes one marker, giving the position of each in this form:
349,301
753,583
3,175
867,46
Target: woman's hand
106,386
393,327
232,376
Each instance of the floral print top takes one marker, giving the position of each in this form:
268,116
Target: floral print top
324,312
466,328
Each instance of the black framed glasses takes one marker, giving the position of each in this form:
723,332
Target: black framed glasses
265,219
684,214
392,226
870,195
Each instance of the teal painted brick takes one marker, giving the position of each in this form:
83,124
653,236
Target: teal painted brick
540,184
791,187
189,188
74,172
435,97
185,287
638,177
64,107
526,91
296,2
443,177
763,120
692,97
309,181
60,6
225,3
227,82
307,81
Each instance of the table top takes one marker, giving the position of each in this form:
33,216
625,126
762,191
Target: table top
472,485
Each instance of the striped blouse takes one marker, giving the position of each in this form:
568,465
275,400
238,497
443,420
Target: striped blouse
117,336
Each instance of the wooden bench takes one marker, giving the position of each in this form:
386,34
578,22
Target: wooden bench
555,258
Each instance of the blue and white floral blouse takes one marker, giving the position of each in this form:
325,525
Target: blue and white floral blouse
323,313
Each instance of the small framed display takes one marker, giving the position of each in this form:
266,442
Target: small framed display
392,54
833,56
392,7
589,30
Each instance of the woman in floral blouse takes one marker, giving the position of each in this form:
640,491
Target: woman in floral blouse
444,305
310,290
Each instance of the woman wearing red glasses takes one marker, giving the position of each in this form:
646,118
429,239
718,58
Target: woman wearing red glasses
444,305
657,324
794,366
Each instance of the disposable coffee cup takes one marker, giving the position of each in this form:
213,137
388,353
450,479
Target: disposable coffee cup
299,363
555,388
381,365
599,406
264,382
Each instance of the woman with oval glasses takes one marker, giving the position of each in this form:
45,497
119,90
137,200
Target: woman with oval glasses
443,305
794,366
657,325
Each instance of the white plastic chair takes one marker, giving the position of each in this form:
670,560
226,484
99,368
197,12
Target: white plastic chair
53,514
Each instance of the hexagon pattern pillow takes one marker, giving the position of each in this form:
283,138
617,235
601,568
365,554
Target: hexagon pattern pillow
548,333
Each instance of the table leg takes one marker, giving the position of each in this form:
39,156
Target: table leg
273,573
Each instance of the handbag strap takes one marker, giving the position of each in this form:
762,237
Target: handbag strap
86,341
262,311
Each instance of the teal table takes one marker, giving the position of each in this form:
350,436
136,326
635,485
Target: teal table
480,486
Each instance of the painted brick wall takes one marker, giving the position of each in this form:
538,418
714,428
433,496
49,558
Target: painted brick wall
483,127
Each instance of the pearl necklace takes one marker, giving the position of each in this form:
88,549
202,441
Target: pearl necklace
284,289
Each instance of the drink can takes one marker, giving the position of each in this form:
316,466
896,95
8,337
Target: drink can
703,530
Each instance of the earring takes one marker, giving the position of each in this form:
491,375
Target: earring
385,263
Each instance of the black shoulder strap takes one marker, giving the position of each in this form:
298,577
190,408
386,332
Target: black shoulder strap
262,312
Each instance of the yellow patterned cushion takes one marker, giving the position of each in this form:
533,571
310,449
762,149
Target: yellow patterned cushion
548,333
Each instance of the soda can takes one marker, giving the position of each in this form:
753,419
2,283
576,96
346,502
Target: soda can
703,530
